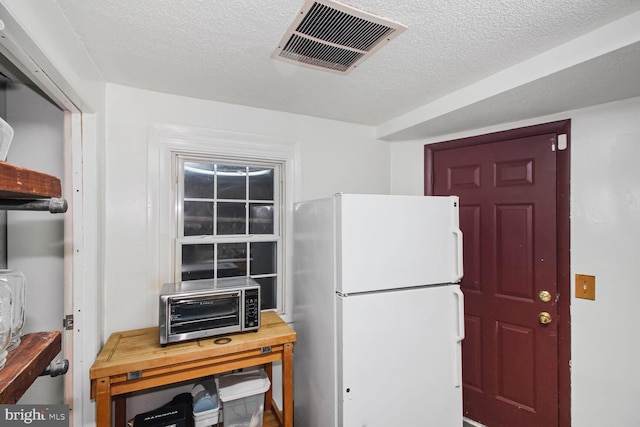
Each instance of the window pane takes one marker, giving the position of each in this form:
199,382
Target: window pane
198,180
261,218
267,292
232,182
232,259
197,262
261,183
263,258
198,218
231,218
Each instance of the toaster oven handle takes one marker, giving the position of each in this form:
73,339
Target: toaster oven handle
187,299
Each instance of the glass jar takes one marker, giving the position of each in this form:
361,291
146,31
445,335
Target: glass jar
17,282
5,321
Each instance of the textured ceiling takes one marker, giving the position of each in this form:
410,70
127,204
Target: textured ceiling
221,50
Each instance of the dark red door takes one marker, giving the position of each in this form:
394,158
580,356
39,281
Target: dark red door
508,216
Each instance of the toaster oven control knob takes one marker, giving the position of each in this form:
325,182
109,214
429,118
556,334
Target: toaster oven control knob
252,308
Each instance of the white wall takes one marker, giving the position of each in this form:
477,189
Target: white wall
335,157
605,231
605,240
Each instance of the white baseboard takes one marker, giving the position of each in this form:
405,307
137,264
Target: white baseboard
472,423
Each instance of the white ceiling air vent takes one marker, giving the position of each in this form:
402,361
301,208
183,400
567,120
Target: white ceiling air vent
332,36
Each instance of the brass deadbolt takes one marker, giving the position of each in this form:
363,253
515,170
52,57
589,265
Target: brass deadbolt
545,296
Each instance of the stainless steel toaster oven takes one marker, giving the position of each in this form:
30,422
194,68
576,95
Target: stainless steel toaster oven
206,308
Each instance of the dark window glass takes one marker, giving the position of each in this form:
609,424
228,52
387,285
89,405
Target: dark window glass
232,259
261,218
268,298
231,218
198,180
232,182
197,262
198,218
261,183
263,257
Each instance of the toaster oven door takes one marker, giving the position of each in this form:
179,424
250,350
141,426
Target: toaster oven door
199,316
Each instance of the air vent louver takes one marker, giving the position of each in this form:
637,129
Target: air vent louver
334,37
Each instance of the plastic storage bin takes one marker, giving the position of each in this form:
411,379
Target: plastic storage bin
205,403
206,418
242,396
6,136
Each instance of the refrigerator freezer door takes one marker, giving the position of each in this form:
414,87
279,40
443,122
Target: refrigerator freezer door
389,242
399,358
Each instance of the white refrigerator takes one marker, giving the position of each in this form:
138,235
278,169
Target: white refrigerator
378,311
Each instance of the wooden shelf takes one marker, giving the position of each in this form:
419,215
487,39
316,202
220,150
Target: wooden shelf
27,362
17,182
20,186
38,349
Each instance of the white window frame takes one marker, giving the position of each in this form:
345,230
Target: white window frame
165,141
244,238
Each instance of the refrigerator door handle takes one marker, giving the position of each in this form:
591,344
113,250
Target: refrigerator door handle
458,344
459,261
460,300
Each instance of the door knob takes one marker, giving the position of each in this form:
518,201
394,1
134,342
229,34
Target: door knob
544,318
544,296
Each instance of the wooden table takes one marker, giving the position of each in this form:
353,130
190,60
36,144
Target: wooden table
134,360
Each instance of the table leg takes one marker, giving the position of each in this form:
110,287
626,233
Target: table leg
268,398
287,385
121,411
103,402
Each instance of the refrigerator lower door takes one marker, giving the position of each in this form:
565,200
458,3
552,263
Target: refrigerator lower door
399,358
